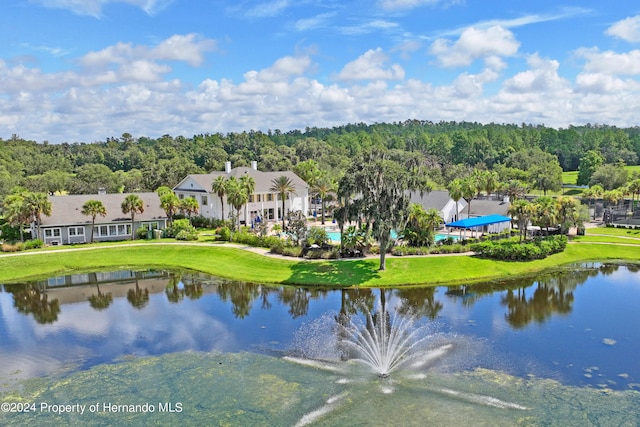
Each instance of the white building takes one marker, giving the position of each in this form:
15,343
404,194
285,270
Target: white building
263,203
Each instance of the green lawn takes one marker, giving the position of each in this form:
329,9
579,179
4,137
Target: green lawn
610,231
608,239
243,265
571,177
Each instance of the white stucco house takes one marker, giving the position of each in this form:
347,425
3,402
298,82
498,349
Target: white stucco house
263,203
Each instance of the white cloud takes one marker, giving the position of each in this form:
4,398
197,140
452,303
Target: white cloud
405,4
318,21
369,27
628,29
610,62
189,48
94,7
474,44
125,88
564,13
541,78
267,9
371,66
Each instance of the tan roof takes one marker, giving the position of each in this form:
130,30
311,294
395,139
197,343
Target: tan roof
67,210
263,179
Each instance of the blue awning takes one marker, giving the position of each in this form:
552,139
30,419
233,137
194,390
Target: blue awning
478,221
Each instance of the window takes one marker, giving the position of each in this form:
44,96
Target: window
269,197
113,230
180,196
205,200
258,197
76,231
52,232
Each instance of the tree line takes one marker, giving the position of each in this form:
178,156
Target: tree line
129,164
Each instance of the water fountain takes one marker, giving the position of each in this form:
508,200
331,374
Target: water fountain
385,342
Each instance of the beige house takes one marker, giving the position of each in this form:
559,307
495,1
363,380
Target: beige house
263,203
67,224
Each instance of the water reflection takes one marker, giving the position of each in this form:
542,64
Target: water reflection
35,301
526,300
89,319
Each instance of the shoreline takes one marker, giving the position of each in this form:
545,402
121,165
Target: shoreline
250,264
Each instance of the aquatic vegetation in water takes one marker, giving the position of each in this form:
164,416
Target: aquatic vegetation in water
258,390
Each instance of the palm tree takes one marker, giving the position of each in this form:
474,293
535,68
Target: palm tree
490,182
236,197
432,219
16,211
219,186
37,204
170,203
161,191
132,205
284,187
322,188
248,185
455,192
189,206
567,207
93,208
546,212
520,211
593,193
612,196
470,187
634,188
514,189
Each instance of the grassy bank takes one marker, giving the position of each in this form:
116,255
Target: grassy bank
243,265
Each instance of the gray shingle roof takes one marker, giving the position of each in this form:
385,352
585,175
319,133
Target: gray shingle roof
435,199
67,210
263,179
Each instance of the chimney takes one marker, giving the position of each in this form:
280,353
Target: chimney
254,165
227,167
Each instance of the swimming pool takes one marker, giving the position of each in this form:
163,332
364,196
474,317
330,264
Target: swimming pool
334,236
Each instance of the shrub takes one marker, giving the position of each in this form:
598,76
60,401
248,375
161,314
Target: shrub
294,251
187,235
34,244
224,233
141,233
203,222
12,247
333,253
179,225
318,236
521,251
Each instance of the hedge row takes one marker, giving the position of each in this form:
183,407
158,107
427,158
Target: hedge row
21,246
413,250
513,250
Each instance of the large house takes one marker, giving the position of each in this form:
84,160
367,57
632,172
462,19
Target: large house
67,224
441,201
263,203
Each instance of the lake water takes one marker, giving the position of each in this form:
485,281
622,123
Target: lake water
533,351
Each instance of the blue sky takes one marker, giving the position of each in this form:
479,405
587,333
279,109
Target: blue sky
85,70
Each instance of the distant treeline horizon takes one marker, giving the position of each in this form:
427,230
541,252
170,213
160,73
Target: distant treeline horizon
136,163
